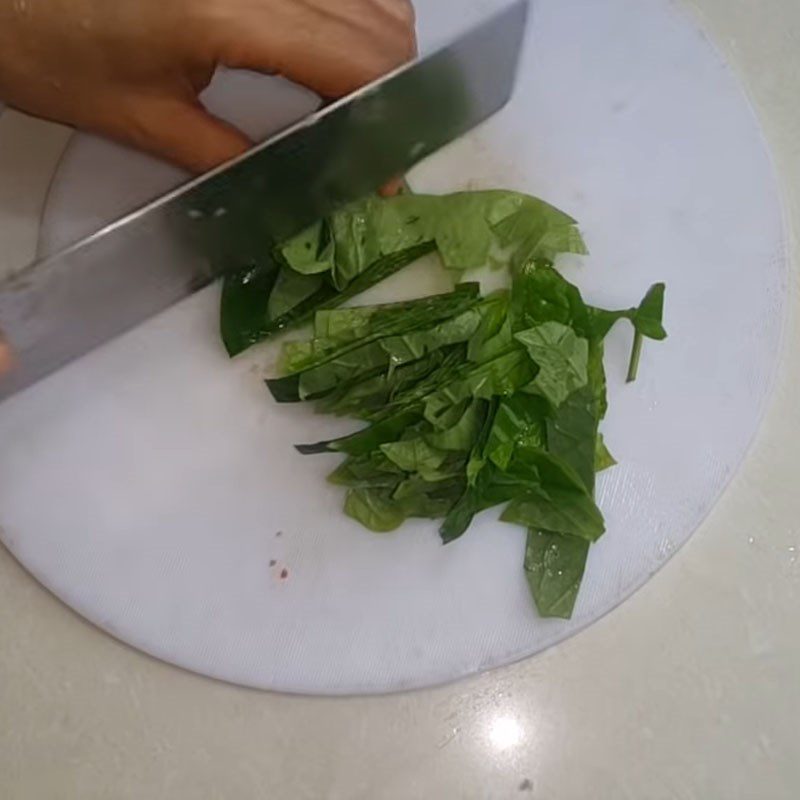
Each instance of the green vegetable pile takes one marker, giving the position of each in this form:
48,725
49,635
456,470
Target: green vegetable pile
470,401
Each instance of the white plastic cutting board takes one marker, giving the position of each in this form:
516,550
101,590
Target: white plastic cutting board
153,485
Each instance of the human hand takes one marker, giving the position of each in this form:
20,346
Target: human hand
132,70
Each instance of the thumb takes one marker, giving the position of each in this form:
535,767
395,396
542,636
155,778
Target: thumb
183,132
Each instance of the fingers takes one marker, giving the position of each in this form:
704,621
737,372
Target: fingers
6,359
180,131
393,187
332,48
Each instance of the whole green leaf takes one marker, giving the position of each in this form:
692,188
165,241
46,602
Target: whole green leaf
562,358
554,566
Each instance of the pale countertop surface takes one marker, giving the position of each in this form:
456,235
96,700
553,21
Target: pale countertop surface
691,689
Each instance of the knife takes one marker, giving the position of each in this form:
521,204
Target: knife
63,306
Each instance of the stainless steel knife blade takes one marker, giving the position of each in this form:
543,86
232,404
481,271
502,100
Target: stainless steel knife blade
64,306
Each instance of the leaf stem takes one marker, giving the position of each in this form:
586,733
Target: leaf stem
636,355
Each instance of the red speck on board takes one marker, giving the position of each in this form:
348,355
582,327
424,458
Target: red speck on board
284,574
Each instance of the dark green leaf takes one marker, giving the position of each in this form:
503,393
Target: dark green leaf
520,421
285,390
559,510
646,319
572,434
539,294
370,438
471,501
352,365
244,305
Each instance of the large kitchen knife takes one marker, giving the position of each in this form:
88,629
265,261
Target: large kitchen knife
62,307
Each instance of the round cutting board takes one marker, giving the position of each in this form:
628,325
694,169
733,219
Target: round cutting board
153,485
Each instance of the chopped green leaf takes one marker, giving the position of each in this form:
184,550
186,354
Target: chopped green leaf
559,510
414,455
519,422
554,566
461,436
603,459
572,434
562,358
499,377
470,403
374,509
